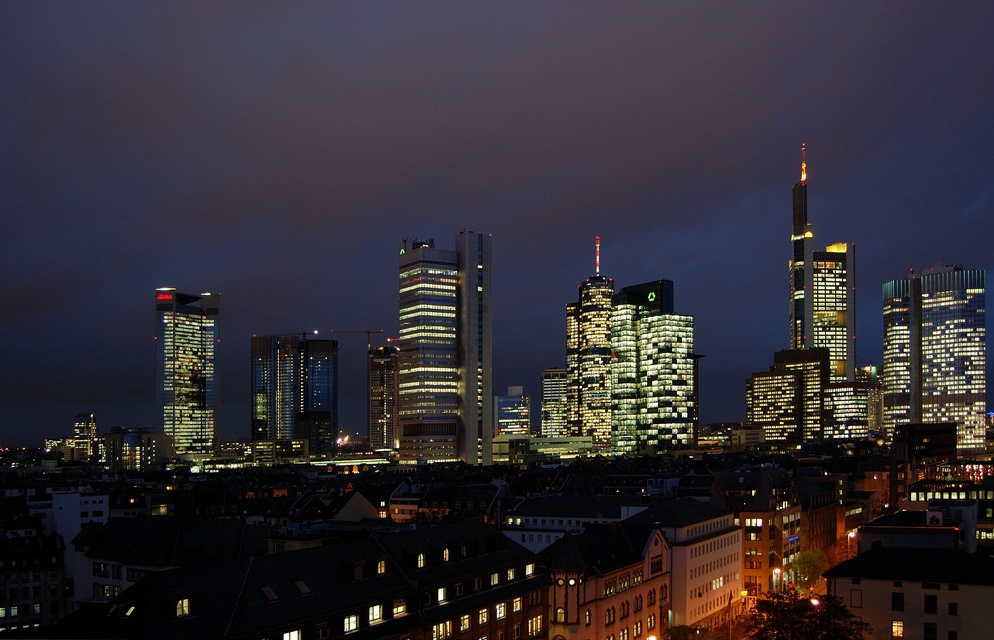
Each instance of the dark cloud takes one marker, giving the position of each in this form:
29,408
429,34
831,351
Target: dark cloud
277,153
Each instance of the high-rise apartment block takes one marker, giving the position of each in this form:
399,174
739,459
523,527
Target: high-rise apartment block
554,403
822,291
588,359
384,367
934,367
294,391
652,371
512,412
445,383
186,371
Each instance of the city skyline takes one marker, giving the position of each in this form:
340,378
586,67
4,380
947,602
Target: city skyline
282,173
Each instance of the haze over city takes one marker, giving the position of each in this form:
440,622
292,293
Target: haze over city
278,154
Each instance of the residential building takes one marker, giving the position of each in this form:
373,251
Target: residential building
537,522
935,352
588,358
554,382
765,505
917,452
445,380
186,369
384,367
653,391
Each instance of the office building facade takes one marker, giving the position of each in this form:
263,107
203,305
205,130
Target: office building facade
788,401
512,412
653,394
294,391
822,291
186,369
384,367
588,359
445,379
934,366
554,403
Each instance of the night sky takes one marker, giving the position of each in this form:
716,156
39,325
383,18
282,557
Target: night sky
277,153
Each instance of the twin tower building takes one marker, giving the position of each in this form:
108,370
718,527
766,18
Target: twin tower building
630,381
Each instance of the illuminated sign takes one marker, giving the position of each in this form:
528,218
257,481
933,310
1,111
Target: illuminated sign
652,296
164,296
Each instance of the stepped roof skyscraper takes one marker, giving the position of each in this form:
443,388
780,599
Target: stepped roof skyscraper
186,372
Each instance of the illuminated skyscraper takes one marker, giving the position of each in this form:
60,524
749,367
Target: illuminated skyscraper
295,390
445,388
588,359
554,403
186,372
652,371
935,352
788,401
822,291
84,431
384,365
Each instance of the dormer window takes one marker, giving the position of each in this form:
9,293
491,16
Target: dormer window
381,566
421,560
183,608
445,554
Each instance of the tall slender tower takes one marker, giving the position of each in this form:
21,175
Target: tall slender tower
186,371
445,382
554,382
822,291
384,365
588,358
935,354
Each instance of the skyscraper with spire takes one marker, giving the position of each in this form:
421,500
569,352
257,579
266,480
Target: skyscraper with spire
822,290
588,357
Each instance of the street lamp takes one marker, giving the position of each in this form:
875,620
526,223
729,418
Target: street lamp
850,538
776,579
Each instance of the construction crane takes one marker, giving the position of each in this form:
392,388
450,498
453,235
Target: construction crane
369,334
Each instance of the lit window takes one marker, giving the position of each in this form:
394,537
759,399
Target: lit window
441,594
510,574
482,618
529,569
516,605
421,560
292,635
464,623
494,579
445,554
381,567
182,608
897,628
351,623
535,626
501,610
399,607
375,613
441,630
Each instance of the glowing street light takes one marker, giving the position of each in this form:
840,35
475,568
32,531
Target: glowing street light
776,579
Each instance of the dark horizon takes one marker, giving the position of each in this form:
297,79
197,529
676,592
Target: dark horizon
278,154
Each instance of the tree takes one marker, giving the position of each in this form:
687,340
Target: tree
810,565
788,616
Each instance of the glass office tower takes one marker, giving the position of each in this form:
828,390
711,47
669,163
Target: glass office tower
384,365
445,386
186,371
295,390
934,367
